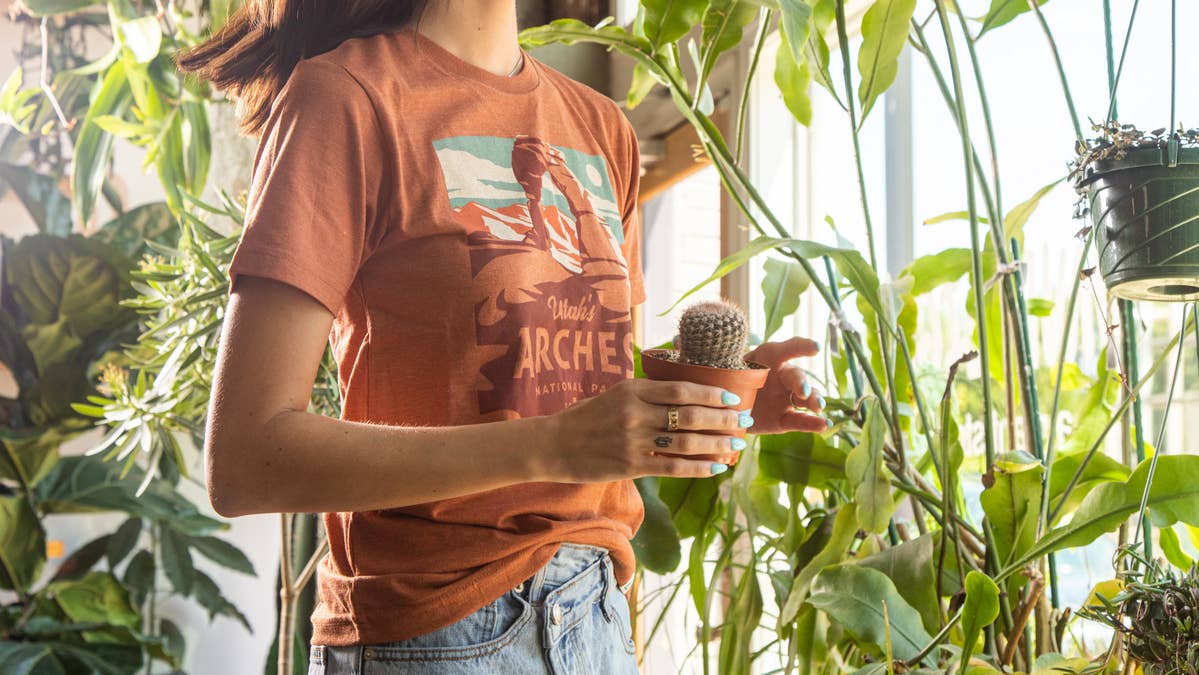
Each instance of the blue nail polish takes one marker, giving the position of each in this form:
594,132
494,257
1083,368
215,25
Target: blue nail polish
829,423
729,398
807,389
738,444
820,401
744,420
718,468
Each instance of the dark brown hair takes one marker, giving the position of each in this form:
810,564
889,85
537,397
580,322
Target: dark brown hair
252,56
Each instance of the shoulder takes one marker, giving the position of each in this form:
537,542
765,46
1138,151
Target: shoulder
594,106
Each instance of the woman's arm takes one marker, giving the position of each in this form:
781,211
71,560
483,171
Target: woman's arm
264,453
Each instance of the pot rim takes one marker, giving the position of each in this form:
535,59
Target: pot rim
656,354
1153,156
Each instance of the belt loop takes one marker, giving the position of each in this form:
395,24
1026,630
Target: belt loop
534,586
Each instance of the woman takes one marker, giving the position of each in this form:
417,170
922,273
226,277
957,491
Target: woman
460,222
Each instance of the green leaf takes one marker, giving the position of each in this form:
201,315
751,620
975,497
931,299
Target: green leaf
1172,549
867,474
1003,11
954,215
122,541
979,611
912,567
83,559
1013,504
51,7
668,20
177,561
795,22
130,231
94,145
139,576
1173,498
208,594
98,597
854,596
884,33
793,78
730,263
724,22
1040,307
656,543
845,530
801,458
640,86
1101,469
22,544
736,638
141,36
1014,221
781,287
937,269
175,645
49,208
223,553
692,502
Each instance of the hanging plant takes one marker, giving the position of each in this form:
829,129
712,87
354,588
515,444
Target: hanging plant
1141,190
1157,613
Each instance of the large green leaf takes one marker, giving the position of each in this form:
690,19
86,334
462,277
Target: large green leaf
737,631
223,553
1003,11
49,208
1173,498
979,611
93,148
657,541
724,22
34,454
911,566
801,458
884,33
1099,470
784,282
130,231
96,598
944,267
1013,504
793,78
867,473
692,502
50,7
22,544
867,604
668,20
845,529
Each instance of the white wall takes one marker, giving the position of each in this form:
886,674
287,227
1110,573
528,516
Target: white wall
222,646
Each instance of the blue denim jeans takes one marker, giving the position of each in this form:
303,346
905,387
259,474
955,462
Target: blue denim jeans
570,618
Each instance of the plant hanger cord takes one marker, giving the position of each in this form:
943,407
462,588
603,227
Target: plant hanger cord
1115,82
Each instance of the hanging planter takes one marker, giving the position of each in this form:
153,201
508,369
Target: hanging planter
712,342
1142,193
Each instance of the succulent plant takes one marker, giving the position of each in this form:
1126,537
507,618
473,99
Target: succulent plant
713,334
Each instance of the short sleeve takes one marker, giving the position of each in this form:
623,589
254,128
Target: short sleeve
631,214
313,208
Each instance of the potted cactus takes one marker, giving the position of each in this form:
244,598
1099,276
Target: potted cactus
710,349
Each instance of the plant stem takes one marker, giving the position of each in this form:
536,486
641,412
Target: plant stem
743,106
286,597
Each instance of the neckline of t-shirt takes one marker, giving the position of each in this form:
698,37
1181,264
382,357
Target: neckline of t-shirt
451,64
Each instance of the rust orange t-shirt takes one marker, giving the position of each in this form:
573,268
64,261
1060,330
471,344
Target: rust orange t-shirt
476,238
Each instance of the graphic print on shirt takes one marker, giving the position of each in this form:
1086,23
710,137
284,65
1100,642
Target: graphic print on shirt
551,290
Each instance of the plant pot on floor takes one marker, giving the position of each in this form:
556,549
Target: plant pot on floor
1145,210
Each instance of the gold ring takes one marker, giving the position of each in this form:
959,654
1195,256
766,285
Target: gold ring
672,419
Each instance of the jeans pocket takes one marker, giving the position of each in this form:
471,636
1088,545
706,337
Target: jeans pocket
618,607
488,630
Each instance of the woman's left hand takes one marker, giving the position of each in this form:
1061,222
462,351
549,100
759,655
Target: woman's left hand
775,408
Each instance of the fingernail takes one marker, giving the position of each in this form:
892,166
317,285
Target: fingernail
744,420
729,398
738,444
807,389
829,423
820,401
718,468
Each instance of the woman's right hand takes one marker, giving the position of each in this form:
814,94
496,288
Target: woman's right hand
621,433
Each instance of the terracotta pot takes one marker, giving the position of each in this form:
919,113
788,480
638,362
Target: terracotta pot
744,383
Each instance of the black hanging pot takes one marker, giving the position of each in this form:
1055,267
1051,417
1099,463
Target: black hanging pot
1145,210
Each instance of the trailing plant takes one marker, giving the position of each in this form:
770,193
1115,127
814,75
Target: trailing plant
862,534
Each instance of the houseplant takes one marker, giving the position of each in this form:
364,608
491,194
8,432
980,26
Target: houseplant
860,585
712,342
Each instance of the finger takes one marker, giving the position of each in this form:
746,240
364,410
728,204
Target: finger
696,444
701,418
679,467
796,382
771,353
685,393
798,421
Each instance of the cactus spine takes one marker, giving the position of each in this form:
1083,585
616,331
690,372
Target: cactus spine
713,334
